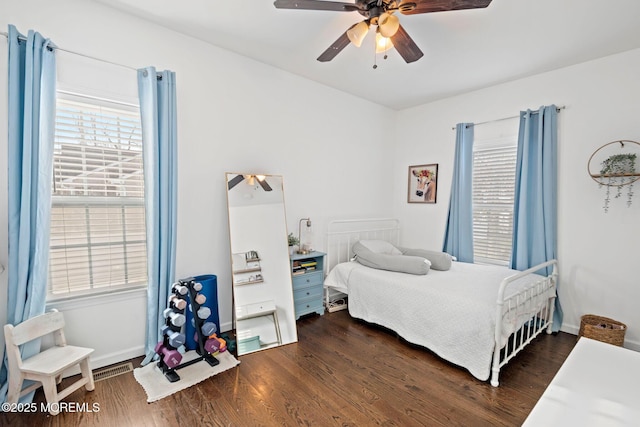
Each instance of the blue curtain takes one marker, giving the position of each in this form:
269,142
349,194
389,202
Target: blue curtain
157,92
458,237
32,101
535,209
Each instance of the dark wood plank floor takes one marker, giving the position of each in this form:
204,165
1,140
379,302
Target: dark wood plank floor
342,372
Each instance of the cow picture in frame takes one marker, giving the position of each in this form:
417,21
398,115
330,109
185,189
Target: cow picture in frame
423,183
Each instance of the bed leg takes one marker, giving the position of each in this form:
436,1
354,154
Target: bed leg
494,377
495,366
552,306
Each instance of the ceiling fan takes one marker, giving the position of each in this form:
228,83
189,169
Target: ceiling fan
380,13
251,179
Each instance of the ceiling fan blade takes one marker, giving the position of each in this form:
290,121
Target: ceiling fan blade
235,181
335,48
428,6
316,5
405,46
265,185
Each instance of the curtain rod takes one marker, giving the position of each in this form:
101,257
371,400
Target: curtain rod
562,107
76,53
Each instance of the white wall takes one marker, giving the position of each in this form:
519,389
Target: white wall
238,115
234,114
598,252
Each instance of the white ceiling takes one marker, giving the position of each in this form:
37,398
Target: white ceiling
463,50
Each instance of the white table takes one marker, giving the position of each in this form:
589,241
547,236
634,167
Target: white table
598,385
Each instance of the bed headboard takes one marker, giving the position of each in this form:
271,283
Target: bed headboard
342,234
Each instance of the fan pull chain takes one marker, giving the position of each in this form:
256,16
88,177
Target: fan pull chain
375,56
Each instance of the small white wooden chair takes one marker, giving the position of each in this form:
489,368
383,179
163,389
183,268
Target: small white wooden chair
46,367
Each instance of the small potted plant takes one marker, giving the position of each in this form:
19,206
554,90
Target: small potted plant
293,241
618,170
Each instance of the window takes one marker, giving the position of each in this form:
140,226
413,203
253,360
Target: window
98,236
494,169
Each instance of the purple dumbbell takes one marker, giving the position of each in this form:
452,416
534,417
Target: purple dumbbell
171,358
212,345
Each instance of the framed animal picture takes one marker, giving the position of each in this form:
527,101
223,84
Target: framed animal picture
423,183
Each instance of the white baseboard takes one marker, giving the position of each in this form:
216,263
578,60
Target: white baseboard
227,326
108,359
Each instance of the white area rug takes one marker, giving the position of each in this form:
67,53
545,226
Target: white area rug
157,386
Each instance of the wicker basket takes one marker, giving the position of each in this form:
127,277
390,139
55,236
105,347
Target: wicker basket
602,329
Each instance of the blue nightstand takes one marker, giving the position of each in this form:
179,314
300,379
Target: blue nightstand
307,272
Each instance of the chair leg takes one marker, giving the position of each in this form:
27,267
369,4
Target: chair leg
86,373
15,387
51,394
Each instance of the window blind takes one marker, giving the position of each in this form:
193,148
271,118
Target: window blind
493,196
98,236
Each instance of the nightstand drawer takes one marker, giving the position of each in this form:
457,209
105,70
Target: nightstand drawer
309,306
312,292
306,280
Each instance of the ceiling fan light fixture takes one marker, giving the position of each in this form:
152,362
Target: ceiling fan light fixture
383,43
388,24
358,32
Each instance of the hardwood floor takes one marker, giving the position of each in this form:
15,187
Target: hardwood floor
342,372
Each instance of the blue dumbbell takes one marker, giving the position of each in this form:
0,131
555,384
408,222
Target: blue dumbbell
176,339
208,329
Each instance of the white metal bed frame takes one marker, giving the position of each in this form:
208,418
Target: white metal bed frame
342,234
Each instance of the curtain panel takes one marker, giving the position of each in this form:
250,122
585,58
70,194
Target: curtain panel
31,106
157,92
535,232
458,237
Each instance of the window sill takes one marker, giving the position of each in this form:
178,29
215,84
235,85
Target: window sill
84,301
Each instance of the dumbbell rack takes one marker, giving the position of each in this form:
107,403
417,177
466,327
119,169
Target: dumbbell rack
193,305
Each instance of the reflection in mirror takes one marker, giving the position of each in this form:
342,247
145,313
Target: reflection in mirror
262,291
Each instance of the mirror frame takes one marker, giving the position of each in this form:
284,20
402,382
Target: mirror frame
264,310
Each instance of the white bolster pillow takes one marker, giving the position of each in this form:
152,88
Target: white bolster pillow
439,260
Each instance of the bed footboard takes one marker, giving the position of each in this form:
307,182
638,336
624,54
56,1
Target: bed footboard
522,316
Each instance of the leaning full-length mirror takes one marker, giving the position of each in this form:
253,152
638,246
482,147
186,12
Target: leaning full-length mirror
261,276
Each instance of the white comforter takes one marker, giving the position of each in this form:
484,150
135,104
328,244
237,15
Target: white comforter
450,312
